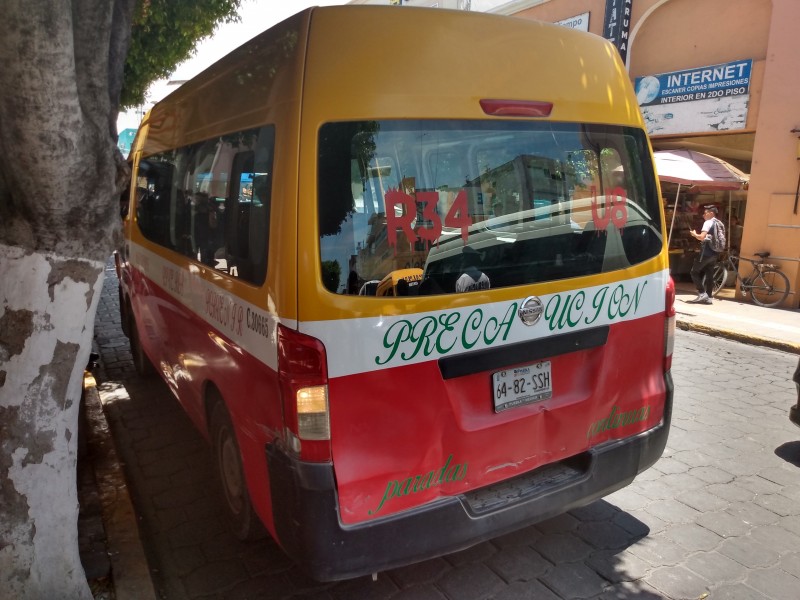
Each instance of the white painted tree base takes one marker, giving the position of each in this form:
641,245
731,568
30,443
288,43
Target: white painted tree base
47,310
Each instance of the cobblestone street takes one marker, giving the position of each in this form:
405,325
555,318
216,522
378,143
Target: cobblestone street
719,514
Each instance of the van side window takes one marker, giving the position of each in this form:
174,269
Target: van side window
153,198
211,201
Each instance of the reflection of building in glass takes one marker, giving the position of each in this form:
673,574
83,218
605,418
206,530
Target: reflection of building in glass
377,256
522,183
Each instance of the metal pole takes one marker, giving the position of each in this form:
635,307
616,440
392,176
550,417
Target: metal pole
672,223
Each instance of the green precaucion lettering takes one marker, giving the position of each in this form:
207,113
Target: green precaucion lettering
608,303
407,339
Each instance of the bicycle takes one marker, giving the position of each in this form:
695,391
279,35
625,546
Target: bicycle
766,284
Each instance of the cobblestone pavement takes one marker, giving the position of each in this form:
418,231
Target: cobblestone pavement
717,517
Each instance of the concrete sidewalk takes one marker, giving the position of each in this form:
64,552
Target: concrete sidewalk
741,321
111,549
127,573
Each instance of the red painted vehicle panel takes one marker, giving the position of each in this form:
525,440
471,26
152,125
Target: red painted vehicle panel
449,427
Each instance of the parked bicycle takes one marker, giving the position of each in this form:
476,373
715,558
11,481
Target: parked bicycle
767,285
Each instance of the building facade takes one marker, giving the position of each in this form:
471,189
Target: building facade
713,76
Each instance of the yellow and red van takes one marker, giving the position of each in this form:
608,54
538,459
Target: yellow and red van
501,164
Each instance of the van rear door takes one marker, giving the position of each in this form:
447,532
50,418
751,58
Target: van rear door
556,229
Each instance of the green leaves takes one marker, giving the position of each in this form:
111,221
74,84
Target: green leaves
165,33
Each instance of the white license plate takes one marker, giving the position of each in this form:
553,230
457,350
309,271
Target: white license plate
522,385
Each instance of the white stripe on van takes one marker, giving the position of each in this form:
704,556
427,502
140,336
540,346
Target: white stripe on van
374,343
249,326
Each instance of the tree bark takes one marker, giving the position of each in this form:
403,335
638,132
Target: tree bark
60,177
46,338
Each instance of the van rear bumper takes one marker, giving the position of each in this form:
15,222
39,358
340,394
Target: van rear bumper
305,508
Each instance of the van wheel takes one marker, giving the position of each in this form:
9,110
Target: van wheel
141,362
244,523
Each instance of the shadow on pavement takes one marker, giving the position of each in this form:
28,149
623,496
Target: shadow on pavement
790,452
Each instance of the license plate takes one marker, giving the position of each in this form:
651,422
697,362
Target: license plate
522,385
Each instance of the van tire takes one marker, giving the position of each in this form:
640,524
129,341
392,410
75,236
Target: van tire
141,362
243,521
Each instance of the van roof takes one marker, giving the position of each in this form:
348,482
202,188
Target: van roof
452,60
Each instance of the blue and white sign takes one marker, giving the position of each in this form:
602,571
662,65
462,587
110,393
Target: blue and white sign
579,22
617,25
713,98
717,81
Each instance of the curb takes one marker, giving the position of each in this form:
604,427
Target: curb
738,336
130,572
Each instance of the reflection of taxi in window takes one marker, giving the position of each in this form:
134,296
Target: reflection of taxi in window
402,282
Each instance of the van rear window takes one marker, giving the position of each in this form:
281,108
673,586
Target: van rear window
439,207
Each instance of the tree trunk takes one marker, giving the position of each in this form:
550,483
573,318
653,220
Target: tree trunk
60,177
48,308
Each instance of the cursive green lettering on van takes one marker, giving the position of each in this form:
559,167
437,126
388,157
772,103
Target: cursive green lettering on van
427,335
611,303
395,488
616,420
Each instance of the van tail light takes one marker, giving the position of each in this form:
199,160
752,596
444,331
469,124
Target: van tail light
303,375
669,325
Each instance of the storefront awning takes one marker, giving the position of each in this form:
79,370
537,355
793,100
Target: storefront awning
699,170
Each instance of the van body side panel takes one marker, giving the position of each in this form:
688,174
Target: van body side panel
201,328
214,337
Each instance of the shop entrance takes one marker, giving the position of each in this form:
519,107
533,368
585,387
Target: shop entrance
695,172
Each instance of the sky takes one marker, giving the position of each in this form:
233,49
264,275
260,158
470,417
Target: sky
255,17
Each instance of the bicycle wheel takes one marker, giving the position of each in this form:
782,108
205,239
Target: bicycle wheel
770,288
720,277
